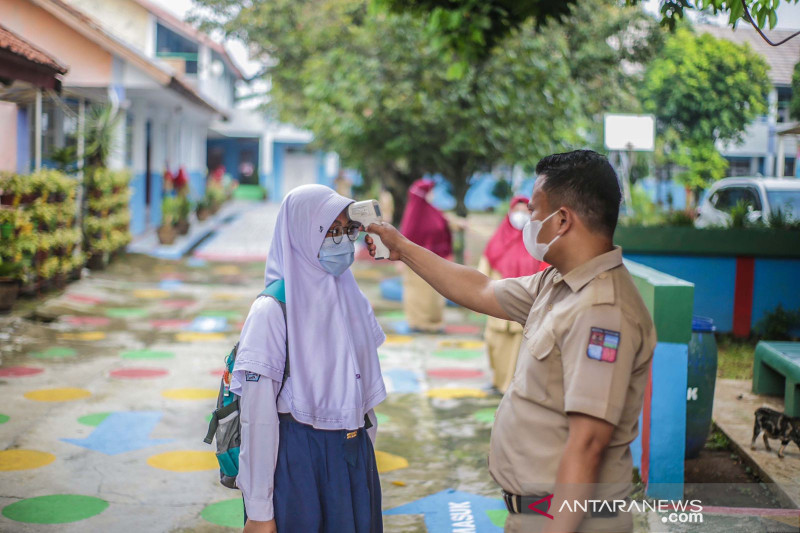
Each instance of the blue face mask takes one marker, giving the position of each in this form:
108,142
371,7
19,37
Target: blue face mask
336,258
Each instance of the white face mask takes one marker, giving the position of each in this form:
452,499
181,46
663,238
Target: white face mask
518,219
529,235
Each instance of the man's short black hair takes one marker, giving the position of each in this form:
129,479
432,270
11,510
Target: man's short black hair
584,181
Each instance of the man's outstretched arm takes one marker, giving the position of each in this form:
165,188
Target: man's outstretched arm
461,284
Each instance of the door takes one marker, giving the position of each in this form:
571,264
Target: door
299,168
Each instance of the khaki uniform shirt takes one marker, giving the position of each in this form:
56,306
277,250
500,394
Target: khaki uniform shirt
587,345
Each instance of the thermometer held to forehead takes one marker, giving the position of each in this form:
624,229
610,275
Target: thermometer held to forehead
366,213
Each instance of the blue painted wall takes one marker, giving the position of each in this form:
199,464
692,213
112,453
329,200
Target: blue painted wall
197,184
156,191
23,141
713,277
668,421
138,204
775,281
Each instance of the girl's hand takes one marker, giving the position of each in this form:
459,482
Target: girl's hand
254,526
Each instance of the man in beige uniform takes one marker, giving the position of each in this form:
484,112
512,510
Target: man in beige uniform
562,432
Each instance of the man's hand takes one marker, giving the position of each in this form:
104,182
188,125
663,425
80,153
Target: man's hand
254,526
392,238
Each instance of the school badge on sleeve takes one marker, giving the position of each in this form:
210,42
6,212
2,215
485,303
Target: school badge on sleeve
603,345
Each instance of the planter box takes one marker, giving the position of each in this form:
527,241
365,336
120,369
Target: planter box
692,241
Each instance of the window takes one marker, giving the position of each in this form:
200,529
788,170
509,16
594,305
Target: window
738,166
170,44
788,201
784,99
726,198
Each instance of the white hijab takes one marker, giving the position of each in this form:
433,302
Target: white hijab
333,335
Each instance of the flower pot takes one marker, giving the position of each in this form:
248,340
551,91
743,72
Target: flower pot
97,261
182,226
9,290
203,214
167,234
75,274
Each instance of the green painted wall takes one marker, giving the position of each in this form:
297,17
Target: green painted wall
669,299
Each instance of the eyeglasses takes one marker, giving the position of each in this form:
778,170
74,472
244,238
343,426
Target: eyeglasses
338,232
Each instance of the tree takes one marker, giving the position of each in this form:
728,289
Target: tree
703,90
373,87
469,29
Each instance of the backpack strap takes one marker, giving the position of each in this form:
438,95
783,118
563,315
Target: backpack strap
277,291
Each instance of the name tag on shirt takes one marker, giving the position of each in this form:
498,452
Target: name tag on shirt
603,345
251,376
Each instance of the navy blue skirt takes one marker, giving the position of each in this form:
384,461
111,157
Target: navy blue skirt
326,481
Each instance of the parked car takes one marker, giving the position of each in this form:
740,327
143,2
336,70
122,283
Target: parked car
763,197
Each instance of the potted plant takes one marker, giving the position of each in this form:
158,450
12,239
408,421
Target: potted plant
9,282
184,209
203,208
169,213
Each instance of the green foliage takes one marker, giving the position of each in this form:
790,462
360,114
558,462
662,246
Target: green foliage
702,90
778,325
644,211
375,87
502,190
183,206
679,218
706,88
739,214
102,123
169,211
780,219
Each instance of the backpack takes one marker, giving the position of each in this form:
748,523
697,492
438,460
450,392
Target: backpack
225,424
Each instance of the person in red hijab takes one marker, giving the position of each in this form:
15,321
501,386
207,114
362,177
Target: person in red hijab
506,257
426,226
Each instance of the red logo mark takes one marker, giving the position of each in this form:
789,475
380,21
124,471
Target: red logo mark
549,499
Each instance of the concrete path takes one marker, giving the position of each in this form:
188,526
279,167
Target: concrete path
107,389
734,408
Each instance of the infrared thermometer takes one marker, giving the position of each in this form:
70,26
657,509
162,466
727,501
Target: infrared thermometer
366,213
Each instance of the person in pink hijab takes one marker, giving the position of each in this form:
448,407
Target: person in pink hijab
506,257
426,226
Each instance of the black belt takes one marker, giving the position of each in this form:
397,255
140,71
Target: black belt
526,504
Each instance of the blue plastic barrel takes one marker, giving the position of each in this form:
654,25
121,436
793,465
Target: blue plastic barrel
701,380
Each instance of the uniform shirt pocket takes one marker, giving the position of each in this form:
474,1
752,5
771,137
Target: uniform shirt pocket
533,375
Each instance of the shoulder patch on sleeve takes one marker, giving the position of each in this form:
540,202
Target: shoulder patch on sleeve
603,345
251,376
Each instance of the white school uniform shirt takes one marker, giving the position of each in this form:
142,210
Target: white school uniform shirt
259,405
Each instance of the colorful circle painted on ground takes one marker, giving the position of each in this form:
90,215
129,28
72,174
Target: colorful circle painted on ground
19,371
196,336
55,353
84,299
4,419
226,296
451,393
217,373
83,336
138,373
382,418
64,394
184,461
393,315
126,312
228,513
177,304
462,345
485,415
147,354
24,459
55,509
170,323
459,354
190,394
455,373
150,294
93,420
388,462
462,329
227,270
398,339
92,321
232,315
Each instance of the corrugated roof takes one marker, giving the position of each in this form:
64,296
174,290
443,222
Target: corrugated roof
15,44
781,59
